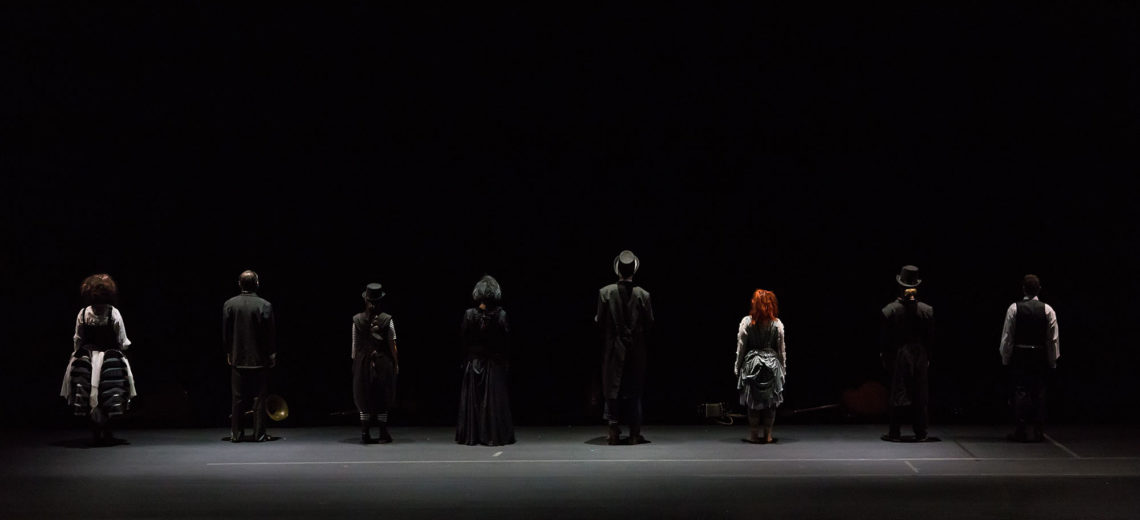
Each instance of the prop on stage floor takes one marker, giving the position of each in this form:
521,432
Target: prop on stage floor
276,408
867,400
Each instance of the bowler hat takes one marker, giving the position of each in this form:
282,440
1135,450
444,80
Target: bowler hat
626,258
372,292
908,276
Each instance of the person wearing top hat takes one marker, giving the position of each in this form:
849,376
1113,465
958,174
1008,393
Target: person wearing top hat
1030,346
625,316
249,333
98,382
375,364
906,339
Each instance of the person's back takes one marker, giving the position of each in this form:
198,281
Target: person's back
248,324
1030,346
908,323
249,336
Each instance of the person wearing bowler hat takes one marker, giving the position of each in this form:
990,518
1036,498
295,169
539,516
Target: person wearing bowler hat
906,340
625,316
249,332
1030,347
375,364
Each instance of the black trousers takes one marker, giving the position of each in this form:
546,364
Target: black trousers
1028,369
623,410
249,387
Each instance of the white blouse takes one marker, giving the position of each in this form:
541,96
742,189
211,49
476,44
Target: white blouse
92,317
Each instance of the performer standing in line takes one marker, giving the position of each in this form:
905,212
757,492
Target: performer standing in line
375,364
1030,346
906,341
625,316
249,333
98,381
760,364
484,404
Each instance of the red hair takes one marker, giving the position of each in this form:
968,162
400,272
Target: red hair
764,307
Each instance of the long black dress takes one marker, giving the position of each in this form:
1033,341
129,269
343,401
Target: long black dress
484,404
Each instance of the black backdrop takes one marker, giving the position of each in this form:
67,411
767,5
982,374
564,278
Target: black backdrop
811,152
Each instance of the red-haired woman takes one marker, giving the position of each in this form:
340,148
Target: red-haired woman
760,362
98,381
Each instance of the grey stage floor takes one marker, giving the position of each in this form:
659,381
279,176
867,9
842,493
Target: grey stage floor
825,471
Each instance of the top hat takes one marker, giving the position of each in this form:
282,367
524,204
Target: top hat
626,258
372,292
908,276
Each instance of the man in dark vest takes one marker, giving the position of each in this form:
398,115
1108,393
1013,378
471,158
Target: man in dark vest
625,316
906,341
250,337
1030,346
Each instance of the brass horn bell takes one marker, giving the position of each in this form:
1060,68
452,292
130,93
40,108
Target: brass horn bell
275,407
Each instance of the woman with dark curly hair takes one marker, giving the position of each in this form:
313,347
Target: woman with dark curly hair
760,364
484,405
98,382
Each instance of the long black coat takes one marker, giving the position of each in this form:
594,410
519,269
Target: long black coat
906,342
625,317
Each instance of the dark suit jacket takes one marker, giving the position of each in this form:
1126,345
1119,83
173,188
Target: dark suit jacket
625,324
249,331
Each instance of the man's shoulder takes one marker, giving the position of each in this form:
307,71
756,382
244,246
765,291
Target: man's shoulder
639,292
608,289
246,299
891,308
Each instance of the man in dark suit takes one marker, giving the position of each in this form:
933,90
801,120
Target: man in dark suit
907,338
625,316
249,334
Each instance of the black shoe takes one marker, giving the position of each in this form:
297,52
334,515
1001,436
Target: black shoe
365,438
384,437
635,439
891,438
613,435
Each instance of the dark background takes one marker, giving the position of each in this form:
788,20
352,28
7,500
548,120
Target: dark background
810,151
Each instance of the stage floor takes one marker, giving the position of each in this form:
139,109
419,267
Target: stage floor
818,471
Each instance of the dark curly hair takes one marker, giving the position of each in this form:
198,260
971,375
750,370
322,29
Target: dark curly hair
487,291
99,289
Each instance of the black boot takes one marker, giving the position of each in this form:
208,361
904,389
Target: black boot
635,435
613,435
384,437
365,434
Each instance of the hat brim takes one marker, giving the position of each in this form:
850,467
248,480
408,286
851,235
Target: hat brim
617,264
376,299
898,278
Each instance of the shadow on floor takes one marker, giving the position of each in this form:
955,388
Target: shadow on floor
84,443
779,440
